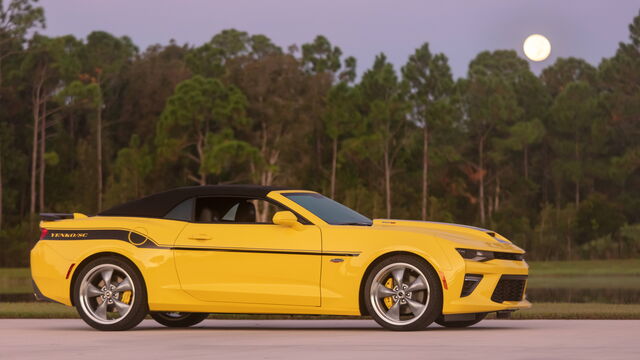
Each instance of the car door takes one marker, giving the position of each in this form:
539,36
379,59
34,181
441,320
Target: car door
226,256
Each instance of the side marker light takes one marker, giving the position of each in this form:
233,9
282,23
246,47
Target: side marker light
69,271
444,281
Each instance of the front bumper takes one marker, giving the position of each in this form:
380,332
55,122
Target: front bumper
480,300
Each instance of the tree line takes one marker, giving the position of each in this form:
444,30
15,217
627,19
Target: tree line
550,161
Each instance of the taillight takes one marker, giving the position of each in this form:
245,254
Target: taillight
43,233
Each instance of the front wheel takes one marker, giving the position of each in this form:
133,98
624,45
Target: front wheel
109,294
403,293
178,319
460,324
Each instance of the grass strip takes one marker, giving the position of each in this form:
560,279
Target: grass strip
36,310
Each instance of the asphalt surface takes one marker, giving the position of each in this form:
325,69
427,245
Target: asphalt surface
322,339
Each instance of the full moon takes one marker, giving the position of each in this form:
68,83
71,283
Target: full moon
537,47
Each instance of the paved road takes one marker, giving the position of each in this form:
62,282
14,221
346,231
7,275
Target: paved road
323,339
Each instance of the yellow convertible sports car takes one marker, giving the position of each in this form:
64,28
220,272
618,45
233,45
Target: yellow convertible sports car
188,252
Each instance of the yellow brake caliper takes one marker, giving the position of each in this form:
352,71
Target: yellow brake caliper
126,297
388,301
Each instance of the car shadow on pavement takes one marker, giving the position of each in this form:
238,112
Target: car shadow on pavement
287,328
290,325
314,327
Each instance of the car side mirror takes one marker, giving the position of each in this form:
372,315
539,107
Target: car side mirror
285,218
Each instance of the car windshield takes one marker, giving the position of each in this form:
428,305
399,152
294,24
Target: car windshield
332,212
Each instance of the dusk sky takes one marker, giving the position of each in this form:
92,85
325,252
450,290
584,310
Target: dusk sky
363,28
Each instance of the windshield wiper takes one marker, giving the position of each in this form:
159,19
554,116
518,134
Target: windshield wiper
356,223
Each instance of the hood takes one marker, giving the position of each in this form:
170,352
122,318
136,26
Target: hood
463,236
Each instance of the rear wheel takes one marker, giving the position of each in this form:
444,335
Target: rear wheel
110,295
460,324
403,293
178,319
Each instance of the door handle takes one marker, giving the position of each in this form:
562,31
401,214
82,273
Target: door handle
200,237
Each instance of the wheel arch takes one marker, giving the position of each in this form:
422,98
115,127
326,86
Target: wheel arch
361,303
88,259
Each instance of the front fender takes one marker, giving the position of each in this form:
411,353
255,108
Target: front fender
342,280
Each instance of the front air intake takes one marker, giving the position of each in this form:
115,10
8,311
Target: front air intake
471,281
509,288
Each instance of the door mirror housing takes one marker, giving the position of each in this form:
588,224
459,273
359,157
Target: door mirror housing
285,218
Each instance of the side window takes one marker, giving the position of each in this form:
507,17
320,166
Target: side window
234,210
182,211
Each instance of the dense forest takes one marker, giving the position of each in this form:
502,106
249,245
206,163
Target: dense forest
550,161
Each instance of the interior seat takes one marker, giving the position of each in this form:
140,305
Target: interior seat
206,215
246,212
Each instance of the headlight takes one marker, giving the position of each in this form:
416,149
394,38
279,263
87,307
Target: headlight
476,255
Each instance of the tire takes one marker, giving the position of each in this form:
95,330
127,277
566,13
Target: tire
110,295
178,319
403,293
460,324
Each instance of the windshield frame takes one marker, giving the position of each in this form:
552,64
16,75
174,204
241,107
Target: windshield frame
357,219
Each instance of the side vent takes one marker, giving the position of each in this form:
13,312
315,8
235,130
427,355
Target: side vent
471,281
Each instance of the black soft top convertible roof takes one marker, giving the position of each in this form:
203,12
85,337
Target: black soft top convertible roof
158,205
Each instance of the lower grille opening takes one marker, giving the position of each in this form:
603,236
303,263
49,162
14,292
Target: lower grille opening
509,288
471,281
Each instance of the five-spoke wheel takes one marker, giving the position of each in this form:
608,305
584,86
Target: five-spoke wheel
403,293
109,294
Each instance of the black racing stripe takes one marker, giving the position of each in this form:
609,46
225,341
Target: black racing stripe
87,234
339,254
142,241
255,251
128,236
